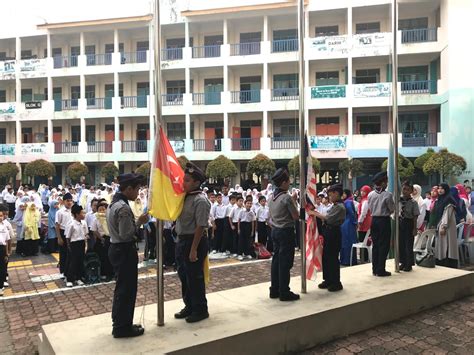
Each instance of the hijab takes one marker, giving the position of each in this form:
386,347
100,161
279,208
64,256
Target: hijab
52,213
31,218
442,202
417,195
462,192
460,211
434,197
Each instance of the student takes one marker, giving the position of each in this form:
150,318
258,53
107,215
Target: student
211,196
63,218
52,238
102,241
219,216
225,195
5,251
10,199
263,215
364,220
90,217
409,212
18,220
234,221
227,240
332,222
170,245
76,235
31,220
5,209
246,231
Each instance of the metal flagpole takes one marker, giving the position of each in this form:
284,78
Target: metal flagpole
158,122
303,142
395,131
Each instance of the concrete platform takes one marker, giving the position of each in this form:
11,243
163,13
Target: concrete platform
245,321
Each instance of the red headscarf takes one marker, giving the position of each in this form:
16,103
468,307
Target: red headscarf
368,218
434,196
462,191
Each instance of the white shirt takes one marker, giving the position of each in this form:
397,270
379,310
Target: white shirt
4,234
220,211
10,198
212,214
323,209
225,200
63,217
235,213
90,218
97,227
76,231
427,202
229,209
263,213
246,216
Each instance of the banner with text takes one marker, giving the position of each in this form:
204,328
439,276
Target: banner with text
328,91
330,44
7,149
328,142
372,90
38,148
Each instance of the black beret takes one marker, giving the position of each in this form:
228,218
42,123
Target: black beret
130,179
379,177
195,172
67,196
335,188
280,176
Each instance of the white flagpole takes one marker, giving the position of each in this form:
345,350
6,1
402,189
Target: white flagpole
303,142
396,194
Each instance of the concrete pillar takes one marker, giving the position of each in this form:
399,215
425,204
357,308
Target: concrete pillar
18,131
48,45
226,125
186,33
17,70
225,32
265,124
50,130
18,48
116,41
82,44
50,88
265,28
188,125
82,81
83,129
349,90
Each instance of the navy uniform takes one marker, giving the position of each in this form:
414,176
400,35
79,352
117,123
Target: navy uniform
381,206
124,259
195,214
283,211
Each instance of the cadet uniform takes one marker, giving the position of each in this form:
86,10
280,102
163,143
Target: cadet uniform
381,206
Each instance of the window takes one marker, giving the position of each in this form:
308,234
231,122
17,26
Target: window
414,125
3,56
418,73
110,47
369,124
321,31
214,124
90,133
252,123
175,43
27,134
250,37
327,78
370,27
327,126
175,87
109,90
285,81
3,136
26,54
3,96
177,131
75,92
413,23
26,95
280,35
75,133
142,46
367,76
285,128
90,94
285,40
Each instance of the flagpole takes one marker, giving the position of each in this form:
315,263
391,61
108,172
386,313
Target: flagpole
395,131
301,34
158,123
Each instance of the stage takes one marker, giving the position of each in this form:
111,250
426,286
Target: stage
246,320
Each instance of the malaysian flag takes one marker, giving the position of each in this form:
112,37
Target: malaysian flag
314,241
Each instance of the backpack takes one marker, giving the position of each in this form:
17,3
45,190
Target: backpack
261,251
91,268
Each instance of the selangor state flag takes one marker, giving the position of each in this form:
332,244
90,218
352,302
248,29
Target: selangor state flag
167,194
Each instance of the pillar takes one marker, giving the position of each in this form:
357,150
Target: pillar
225,32
82,44
116,41
265,28
48,45
50,130
349,90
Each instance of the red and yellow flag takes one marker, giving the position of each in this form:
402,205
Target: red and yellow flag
167,194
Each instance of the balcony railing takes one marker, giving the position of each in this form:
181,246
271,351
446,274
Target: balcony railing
240,144
99,103
172,99
207,145
245,96
285,45
420,139
420,35
66,147
65,61
284,94
99,59
171,54
133,101
66,105
212,51
207,98
133,57
417,87
250,48
285,143
99,147
134,146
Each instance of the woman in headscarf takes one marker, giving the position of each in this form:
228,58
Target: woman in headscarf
444,217
460,207
434,197
31,219
416,195
464,197
364,219
349,229
18,220
51,240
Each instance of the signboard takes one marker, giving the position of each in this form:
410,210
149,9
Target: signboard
372,90
178,146
330,44
328,142
7,70
40,148
371,40
7,149
30,68
6,108
328,91
32,104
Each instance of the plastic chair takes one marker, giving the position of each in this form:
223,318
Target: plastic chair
363,245
460,242
468,243
422,239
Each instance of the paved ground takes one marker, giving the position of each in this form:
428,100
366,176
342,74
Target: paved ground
446,329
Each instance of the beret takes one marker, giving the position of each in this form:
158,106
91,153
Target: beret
280,175
129,179
195,172
379,177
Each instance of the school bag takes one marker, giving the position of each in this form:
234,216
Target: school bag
261,251
91,268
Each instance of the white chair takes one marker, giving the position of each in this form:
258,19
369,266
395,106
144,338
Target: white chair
363,245
422,239
460,242
469,243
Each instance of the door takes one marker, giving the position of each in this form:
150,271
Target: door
57,57
143,90
90,55
143,135
255,134
212,91
209,136
109,94
75,95
57,139
27,135
236,137
109,138
327,126
57,97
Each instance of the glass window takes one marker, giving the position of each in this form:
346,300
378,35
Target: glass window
327,78
369,27
279,35
3,56
177,131
369,124
142,46
3,96
414,124
367,76
26,54
413,23
75,133
175,43
90,91
3,136
285,128
285,81
327,120
250,37
214,124
418,73
75,92
26,95
327,31
90,133
175,87
252,123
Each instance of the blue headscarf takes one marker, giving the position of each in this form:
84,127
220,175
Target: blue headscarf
52,213
460,206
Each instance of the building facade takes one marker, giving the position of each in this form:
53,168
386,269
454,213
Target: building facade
80,91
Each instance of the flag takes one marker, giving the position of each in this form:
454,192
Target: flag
167,193
391,168
314,241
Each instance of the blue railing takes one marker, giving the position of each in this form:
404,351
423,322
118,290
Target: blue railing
66,147
207,98
284,94
207,145
134,146
245,96
65,61
207,51
172,99
245,48
285,45
417,87
420,35
99,59
285,143
239,144
171,54
66,105
420,139
99,147
133,57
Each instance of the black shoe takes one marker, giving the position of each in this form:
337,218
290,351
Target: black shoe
185,312
407,268
384,274
374,273
290,296
323,285
335,288
274,294
137,326
196,317
128,332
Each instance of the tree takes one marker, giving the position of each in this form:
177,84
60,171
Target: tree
444,163
294,166
405,167
76,171
351,168
261,165
9,171
423,158
144,169
182,160
41,168
221,168
109,172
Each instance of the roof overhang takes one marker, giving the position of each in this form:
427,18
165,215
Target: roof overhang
100,22
234,9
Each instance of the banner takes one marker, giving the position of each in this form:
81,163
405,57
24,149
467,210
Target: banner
330,44
373,90
178,146
32,68
6,108
7,70
7,149
372,40
38,148
328,91
328,142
